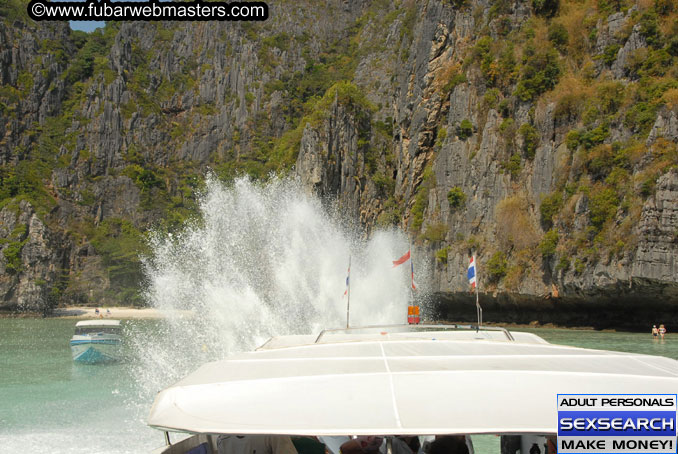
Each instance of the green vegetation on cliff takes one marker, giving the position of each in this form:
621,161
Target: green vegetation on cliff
125,104
604,101
121,245
109,134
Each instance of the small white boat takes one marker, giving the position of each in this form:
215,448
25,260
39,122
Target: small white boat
393,381
97,341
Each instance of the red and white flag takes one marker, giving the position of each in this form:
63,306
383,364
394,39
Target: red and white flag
471,273
414,286
402,259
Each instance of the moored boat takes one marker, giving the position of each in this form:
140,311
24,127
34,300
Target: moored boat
97,341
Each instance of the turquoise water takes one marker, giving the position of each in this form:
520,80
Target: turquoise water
619,341
48,403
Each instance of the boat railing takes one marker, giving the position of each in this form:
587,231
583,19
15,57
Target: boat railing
423,327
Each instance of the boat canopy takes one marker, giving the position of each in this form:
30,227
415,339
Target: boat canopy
110,323
428,383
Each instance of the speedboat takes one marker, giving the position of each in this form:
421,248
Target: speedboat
399,381
97,341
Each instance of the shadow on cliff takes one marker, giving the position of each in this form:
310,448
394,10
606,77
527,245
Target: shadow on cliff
629,311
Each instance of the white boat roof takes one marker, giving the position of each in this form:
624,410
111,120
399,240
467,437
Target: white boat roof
340,335
401,384
98,323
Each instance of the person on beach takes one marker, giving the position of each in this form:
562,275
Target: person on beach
96,311
655,331
662,331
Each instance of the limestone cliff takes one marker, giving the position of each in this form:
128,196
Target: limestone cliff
539,135
566,201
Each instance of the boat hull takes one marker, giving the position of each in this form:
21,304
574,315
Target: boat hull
96,351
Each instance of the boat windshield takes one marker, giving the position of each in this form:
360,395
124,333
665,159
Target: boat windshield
84,330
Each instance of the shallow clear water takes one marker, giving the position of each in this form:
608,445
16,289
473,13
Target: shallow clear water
46,400
49,402
606,340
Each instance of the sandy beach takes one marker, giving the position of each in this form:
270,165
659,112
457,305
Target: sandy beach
116,313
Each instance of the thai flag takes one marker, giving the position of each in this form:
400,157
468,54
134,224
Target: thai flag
471,274
347,277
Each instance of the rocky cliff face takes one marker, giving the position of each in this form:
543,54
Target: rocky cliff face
31,244
486,168
523,132
29,75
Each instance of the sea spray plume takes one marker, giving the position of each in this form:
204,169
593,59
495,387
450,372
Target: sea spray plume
266,259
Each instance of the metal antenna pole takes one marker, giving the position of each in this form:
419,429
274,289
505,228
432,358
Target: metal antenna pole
479,310
411,272
348,293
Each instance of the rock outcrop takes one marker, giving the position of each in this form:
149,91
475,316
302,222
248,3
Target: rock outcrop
488,127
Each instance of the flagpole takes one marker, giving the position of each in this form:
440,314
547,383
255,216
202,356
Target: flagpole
479,310
411,272
348,292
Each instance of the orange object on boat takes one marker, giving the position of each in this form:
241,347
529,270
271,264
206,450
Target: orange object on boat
413,315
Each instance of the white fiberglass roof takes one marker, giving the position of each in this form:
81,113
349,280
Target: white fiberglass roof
389,334
98,323
398,385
